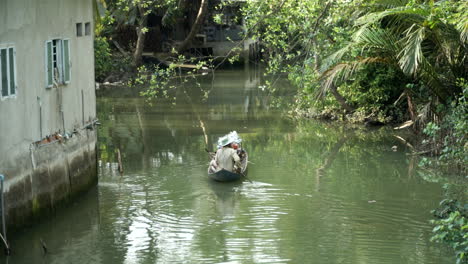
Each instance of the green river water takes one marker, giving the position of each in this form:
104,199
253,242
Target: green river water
317,192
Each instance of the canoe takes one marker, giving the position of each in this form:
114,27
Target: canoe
227,176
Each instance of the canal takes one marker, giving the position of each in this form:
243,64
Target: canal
317,192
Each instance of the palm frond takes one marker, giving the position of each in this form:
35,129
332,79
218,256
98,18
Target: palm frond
335,57
388,4
377,38
344,71
366,38
450,49
416,14
428,75
462,24
411,55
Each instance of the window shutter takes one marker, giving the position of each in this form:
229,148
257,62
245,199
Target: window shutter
49,68
57,49
12,60
4,72
66,61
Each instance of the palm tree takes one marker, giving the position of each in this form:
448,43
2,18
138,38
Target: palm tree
418,39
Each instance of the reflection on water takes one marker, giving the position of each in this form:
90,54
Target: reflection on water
320,193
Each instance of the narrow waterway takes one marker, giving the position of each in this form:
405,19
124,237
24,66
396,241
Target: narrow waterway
317,192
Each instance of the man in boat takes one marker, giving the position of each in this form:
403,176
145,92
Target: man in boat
240,152
226,157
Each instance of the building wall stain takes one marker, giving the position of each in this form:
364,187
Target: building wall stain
62,172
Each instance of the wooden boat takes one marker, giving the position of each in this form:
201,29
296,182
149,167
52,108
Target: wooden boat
227,176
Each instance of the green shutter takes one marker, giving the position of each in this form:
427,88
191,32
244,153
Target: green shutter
4,72
49,70
11,53
66,60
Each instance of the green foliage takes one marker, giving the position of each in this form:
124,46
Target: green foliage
456,141
102,58
375,90
162,81
157,81
418,38
431,130
393,43
108,63
147,5
105,25
449,137
217,18
451,228
296,35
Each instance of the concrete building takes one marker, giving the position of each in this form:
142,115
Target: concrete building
47,104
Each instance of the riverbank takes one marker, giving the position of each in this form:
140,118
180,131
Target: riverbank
441,136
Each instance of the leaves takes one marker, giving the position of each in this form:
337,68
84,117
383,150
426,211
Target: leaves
451,228
411,54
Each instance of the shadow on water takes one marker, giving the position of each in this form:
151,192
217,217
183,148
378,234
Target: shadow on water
226,196
72,233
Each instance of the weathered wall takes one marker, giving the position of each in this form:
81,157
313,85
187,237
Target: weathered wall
49,175
60,169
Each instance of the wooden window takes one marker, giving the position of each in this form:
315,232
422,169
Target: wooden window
57,62
4,72
7,72
66,60
49,67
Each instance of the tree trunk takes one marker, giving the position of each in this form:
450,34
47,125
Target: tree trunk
137,56
411,109
341,100
317,60
195,27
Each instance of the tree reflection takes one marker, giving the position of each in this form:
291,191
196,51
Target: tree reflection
312,183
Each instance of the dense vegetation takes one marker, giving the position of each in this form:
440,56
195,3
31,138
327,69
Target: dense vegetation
368,55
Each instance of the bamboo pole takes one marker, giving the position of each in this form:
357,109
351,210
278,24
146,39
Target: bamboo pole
119,159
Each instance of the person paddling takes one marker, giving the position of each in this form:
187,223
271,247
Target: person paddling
226,157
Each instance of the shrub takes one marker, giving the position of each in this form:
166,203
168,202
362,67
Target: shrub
451,228
448,138
102,58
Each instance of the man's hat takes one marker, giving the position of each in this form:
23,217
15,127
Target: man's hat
224,141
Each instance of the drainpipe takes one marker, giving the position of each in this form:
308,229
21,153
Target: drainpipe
82,108
61,110
59,98
40,116
2,205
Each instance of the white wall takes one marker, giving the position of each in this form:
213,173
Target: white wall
28,24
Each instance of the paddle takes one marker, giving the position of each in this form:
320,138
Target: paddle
245,176
210,152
